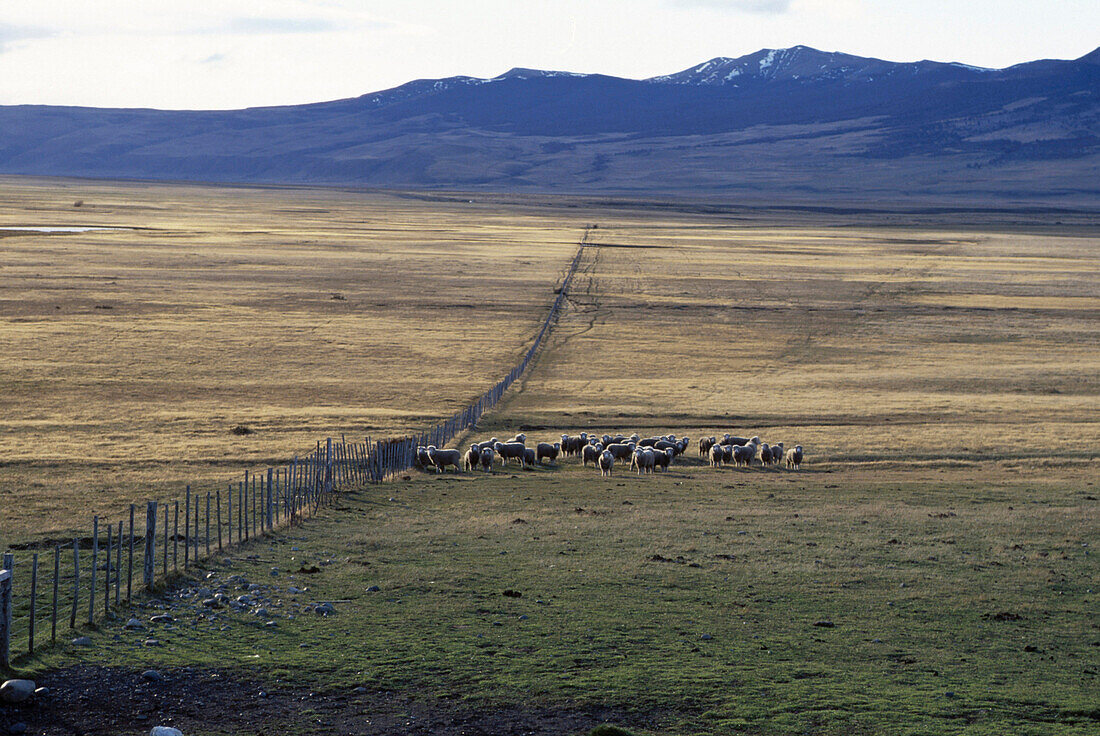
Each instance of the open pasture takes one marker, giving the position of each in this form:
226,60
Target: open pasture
129,355
919,348
931,570
693,602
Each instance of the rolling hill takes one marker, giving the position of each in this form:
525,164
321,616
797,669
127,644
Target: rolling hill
789,124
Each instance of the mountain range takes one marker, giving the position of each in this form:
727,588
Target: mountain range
778,124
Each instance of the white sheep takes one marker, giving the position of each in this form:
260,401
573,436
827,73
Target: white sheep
472,458
487,459
442,458
744,454
607,463
717,456
794,457
621,450
510,451
545,449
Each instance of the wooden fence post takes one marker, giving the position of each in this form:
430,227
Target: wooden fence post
270,499
229,513
187,529
164,569
95,564
149,568
176,538
107,572
5,617
130,563
76,582
34,602
56,582
118,566
218,504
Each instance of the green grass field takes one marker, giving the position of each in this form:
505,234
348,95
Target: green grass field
931,570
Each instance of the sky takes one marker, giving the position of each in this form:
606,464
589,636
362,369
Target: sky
219,54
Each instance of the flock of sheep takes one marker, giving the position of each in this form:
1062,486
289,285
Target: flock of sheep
644,455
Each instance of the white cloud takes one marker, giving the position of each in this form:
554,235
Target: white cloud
10,33
748,6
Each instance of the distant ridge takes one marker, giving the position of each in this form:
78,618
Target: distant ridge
794,123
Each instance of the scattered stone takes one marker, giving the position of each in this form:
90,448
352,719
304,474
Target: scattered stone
706,637
270,623
16,728
274,572
373,589
151,643
152,676
212,603
949,694
134,624
512,594
324,609
295,591
1031,648
824,624
262,612
41,692
16,691
165,731
253,587
82,641
361,690
162,618
245,600
523,617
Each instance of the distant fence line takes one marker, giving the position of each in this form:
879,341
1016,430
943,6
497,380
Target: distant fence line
392,456
86,576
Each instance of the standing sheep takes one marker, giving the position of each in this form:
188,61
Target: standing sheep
621,451
607,463
510,451
591,454
717,456
544,449
663,459
529,457
487,459
777,453
422,458
765,455
794,457
744,454
442,458
705,443
472,458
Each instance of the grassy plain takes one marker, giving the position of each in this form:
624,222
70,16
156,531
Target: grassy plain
128,355
944,379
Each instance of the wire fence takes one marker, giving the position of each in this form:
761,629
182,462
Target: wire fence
78,582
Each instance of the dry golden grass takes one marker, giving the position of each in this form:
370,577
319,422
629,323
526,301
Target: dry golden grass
912,347
895,347
129,354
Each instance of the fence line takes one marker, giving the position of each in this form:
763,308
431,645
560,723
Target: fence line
275,498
